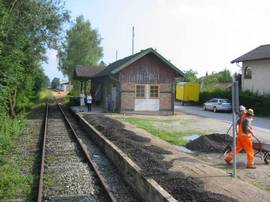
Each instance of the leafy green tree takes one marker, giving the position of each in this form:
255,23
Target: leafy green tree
27,29
40,80
47,81
55,83
219,77
224,76
81,47
191,75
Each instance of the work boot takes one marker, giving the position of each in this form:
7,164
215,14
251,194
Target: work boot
251,167
228,161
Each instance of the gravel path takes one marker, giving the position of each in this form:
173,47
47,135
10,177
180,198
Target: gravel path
67,174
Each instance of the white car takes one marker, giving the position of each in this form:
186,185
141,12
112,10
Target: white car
218,104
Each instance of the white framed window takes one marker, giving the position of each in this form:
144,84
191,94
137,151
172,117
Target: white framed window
154,91
140,91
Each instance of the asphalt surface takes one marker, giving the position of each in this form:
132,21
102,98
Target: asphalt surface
261,125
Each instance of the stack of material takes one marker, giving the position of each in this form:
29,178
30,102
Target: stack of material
213,143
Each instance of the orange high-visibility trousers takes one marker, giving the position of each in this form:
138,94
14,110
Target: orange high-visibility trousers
243,142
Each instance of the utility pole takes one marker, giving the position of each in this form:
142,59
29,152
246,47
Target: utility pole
133,35
235,110
116,55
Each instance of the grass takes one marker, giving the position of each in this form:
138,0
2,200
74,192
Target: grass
10,129
49,178
45,95
266,187
12,183
66,99
174,137
15,181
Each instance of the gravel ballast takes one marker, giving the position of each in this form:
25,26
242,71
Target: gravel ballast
119,188
67,174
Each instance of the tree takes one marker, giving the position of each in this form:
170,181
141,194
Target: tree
81,47
191,75
40,80
211,80
47,81
28,28
55,83
224,76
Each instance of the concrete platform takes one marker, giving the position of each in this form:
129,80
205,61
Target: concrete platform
95,109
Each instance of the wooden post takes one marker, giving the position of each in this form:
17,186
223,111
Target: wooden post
81,87
172,97
84,87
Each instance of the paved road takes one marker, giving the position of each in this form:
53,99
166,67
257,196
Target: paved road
261,125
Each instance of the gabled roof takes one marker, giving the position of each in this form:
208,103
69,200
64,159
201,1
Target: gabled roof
122,63
86,72
259,53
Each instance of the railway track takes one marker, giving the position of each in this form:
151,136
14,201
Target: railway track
72,167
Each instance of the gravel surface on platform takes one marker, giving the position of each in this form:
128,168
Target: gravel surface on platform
151,160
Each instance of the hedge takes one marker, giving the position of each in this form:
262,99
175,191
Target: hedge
259,103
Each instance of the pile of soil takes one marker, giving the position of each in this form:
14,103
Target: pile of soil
151,161
213,143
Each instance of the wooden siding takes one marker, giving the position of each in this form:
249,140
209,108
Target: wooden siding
106,94
148,70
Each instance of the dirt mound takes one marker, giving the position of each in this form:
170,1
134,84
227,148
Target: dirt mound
151,161
213,143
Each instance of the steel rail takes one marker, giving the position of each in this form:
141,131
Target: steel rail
41,172
92,163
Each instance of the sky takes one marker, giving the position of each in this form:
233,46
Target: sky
202,35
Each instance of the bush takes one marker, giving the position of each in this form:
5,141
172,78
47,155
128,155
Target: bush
218,93
10,129
259,103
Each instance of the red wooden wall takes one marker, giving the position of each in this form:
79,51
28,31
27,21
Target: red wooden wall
148,69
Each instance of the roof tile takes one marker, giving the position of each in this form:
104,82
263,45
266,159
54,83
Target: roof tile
259,53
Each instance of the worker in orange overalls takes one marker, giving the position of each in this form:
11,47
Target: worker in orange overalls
242,116
242,112
244,139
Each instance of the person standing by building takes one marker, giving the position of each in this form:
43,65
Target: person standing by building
244,140
82,102
89,101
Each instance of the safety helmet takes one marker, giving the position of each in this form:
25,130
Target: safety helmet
250,112
242,108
